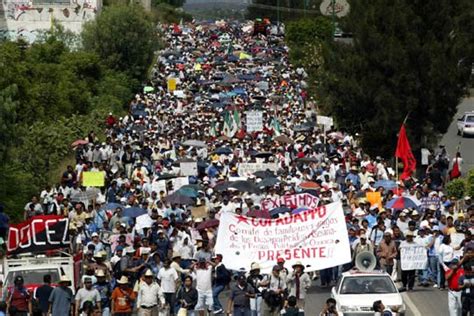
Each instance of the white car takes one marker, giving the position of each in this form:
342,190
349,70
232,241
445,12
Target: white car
356,292
466,124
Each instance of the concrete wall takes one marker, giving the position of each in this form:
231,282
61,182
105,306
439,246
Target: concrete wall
27,19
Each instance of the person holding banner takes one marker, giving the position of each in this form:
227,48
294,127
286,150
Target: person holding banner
298,283
408,276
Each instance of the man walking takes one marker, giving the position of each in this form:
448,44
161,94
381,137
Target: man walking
150,296
61,298
239,300
42,294
221,280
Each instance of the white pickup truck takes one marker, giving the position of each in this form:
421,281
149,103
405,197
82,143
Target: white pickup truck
33,267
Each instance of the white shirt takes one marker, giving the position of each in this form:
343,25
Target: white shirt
168,279
149,295
203,279
446,252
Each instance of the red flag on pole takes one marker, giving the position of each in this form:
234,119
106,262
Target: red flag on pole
405,154
455,172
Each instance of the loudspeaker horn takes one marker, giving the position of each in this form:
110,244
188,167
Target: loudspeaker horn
365,261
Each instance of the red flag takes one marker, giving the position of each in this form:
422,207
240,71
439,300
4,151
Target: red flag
405,154
455,173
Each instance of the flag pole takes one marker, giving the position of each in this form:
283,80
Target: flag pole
396,157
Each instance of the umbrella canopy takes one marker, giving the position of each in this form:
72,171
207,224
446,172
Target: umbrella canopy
264,174
309,185
299,210
79,142
244,186
336,135
263,155
222,186
189,192
178,198
387,184
195,143
133,212
223,151
279,210
302,128
259,214
283,139
208,224
307,160
166,176
268,182
401,203
112,206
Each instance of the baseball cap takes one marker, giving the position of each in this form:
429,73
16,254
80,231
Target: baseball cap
280,260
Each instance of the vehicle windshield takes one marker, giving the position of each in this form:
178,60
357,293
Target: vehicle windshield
368,285
470,119
33,276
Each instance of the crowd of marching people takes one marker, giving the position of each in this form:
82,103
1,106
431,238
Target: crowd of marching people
146,241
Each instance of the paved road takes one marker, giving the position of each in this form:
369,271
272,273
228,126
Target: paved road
420,302
451,140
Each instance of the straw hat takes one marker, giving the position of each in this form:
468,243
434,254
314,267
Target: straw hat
64,279
298,263
148,273
254,266
99,273
123,280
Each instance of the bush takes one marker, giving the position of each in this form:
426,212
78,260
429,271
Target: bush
470,183
456,188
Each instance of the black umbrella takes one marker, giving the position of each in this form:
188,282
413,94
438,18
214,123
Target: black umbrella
166,176
279,210
223,151
244,186
302,128
177,198
208,224
264,174
306,159
268,182
263,155
221,186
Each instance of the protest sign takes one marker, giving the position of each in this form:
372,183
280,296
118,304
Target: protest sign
158,186
413,258
248,168
179,182
188,168
375,198
317,238
325,120
293,201
171,84
254,121
93,179
199,211
426,202
456,239
39,233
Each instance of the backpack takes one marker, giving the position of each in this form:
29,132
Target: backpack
225,274
117,270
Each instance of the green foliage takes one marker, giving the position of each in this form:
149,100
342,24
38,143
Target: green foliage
304,31
456,188
173,3
283,10
165,13
470,183
413,58
124,38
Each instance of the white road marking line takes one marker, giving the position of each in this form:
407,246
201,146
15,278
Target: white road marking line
409,303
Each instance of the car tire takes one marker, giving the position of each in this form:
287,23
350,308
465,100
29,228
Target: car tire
463,134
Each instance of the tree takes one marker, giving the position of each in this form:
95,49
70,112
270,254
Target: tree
408,58
125,39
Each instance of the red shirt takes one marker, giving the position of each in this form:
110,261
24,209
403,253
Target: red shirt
453,282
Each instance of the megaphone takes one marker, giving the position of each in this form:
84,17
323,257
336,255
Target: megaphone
365,261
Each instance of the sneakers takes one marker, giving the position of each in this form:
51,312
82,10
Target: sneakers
435,285
219,311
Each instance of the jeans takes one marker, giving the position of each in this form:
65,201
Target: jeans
241,311
423,276
216,290
326,276
256,306
170,298
442,277
433,269
454,303
408,278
